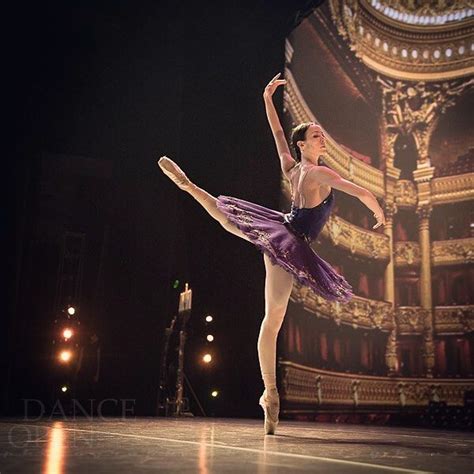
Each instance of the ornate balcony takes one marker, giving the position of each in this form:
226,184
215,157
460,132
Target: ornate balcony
339,159
452,252
358,313
453,319
410,319
449,189
407,254
356,239
310,388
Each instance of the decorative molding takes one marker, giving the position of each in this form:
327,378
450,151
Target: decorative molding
316,388
407,253
358,312
405,193
410,319
453,319
451,189
404,51
452,252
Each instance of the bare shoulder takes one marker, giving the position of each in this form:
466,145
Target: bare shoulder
323,175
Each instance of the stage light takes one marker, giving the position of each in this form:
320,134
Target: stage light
71,310
207,358
64,388
214,393
65,356
210,337
208,318
67,333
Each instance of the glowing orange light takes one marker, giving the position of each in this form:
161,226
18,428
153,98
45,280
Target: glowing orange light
207,358
65,356
67,333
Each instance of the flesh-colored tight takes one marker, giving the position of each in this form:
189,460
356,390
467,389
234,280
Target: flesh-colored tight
278,285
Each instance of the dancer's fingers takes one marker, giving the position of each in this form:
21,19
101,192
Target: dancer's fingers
276,77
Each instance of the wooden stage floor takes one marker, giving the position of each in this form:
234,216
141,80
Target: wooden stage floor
216,445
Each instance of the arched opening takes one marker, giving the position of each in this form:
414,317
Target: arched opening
405,156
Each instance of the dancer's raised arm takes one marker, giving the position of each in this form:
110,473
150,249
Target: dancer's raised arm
286,160
328,176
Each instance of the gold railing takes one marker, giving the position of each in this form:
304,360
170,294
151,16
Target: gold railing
410,319
449,189
452,252
453,319
358,312
317,388
339,159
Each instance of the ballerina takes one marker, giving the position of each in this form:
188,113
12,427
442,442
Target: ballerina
284,239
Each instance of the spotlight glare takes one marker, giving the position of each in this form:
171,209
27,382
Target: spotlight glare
71,310
65,356
208,318
210,337
207,358
214,393
67,333
64,388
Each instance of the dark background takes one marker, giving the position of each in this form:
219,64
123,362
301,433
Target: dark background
121,83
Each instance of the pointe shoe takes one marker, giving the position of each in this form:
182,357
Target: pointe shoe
174,172
271,408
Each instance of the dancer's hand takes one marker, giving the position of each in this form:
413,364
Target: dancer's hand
380,218
272,86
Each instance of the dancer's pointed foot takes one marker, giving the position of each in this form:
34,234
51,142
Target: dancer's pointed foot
270,402
174,172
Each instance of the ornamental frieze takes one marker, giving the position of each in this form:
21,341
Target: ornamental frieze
356,239
410,319
405,193
313,387
358,312
405,51
407,253
452,252
453,319
448,189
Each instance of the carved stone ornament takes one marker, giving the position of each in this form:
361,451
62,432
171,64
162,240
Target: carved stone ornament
405,193
407,253
452,252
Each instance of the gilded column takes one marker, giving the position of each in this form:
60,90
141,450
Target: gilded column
425,254
390,209
425,288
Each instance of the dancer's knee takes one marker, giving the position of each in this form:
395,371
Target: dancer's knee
273,319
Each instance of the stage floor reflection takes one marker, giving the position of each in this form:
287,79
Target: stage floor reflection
215,445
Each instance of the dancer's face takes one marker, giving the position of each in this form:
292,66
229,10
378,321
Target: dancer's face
314,144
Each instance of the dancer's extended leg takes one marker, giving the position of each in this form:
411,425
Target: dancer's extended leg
207,201
278,285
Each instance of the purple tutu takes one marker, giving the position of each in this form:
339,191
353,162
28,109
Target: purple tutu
286,239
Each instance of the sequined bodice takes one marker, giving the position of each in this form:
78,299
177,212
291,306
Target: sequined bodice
308,222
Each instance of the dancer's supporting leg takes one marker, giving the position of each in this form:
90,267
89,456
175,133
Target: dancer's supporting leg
207,201
278,285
